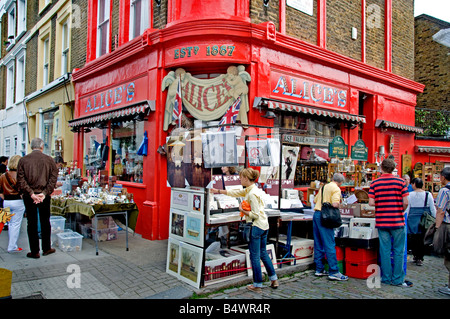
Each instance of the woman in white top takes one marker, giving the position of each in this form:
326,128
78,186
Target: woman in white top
419,202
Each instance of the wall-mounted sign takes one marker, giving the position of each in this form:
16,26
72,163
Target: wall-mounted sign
207,99
306,140
337,147
359,151
200,51
114,97
308,91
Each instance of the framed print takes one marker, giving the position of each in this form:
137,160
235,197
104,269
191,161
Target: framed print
197,203
180,199
191,264
173,257
258,153
289,155
194,229
177,224
219,149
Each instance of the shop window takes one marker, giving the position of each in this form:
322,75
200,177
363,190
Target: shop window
126,137
48,132
96,149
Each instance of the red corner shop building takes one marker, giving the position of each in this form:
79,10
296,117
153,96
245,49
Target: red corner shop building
124,94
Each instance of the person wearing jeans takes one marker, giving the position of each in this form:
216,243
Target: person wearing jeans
324,244
259,230
389,195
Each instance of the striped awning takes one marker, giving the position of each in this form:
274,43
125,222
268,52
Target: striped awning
315,111
398,126
432,149
124,112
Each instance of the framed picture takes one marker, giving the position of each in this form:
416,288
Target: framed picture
177,224
197,203
289,163
191,264
173,257
194,229
258,153
180,199
219,149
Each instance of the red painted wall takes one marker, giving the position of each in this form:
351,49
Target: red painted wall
155,54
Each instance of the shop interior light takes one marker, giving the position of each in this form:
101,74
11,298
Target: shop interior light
270,115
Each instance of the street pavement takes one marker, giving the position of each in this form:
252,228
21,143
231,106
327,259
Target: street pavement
140,273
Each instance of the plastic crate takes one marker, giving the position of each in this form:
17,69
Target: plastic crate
54,237
105,234
70,241
356,255
360,270
57,224
85,230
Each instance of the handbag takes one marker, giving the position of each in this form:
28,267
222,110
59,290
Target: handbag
245,230
437,238
426,220
330,216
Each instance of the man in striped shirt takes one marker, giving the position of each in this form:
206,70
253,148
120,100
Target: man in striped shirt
443,219
389,195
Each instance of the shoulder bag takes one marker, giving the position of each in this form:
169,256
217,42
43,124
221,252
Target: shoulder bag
330,216
426,220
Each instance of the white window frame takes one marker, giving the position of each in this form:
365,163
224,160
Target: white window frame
46,61
65,38
10,69
103,24
12,14
144,17
21,17
20,77
8,146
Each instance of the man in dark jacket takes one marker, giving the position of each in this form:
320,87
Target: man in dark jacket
36,176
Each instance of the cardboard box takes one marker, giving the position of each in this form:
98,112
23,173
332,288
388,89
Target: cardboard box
367,211
350,210
363,228
244,249
301,248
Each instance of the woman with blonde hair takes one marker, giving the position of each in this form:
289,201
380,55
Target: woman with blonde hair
13,200
260,227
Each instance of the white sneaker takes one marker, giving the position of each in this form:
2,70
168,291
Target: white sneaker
338,276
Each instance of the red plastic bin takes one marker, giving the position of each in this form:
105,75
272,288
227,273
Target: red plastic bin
360,270
357,255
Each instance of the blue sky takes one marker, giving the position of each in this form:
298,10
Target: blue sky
436,8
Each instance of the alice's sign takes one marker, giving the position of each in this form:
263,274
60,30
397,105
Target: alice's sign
337,147
307,91
207,99
359,151
114,97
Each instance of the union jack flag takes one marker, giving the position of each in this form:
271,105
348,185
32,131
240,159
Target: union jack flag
230,116
178,105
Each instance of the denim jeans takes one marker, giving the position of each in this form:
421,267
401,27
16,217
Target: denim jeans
258,253
392,239
324,245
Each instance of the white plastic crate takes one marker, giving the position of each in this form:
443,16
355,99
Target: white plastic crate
70,241
57,224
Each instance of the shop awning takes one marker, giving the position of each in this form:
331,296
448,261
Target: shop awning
271,104
432,149
398,126
140,108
